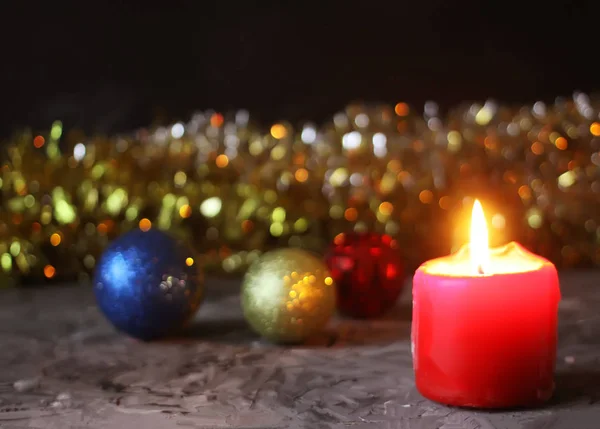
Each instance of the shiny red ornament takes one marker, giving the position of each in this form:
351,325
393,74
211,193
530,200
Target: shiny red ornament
368,272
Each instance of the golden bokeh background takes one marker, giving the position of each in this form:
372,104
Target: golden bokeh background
234,190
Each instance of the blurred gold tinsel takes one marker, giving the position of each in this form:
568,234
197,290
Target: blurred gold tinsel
234,190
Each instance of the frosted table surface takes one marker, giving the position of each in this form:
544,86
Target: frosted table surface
63,366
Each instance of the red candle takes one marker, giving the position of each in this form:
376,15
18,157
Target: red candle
484,325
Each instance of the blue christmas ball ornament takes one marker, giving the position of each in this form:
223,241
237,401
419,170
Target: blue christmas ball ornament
148,284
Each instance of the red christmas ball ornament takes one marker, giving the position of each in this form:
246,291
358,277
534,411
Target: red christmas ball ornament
368,271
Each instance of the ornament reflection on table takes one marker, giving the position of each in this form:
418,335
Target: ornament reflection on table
238,191
148,284
368,272
288,295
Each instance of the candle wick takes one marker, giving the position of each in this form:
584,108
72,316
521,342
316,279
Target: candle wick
480,269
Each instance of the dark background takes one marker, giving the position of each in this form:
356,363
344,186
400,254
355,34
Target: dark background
116,66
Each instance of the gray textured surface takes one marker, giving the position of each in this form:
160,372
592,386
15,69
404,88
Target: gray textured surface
64,367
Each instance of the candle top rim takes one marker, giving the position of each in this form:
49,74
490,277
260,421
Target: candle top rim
512,258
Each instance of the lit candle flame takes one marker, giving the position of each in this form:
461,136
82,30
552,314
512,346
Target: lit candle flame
479,246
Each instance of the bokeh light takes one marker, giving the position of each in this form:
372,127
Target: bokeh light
55,239
49,271
278,131
145,224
